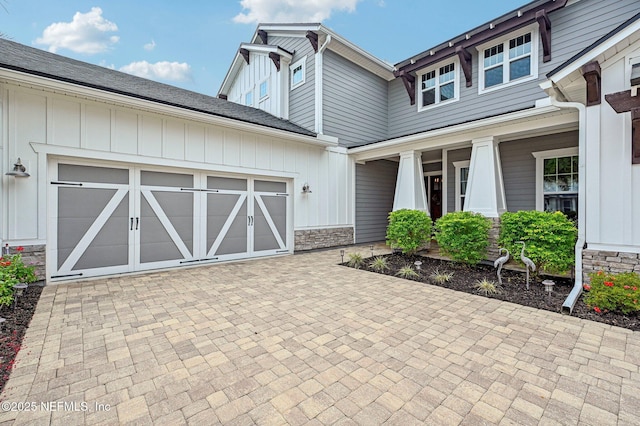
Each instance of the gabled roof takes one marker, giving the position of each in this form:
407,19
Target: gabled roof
338,44
25,59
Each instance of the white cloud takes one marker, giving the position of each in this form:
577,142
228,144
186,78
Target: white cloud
86,33
291,10
164,70
150,46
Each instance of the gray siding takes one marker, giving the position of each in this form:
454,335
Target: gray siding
573,28
355,102
432,167
452,156
375,189
301,100
519,167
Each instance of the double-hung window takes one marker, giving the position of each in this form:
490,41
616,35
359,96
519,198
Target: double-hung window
462,178
508,61
439,85
557,180
297,70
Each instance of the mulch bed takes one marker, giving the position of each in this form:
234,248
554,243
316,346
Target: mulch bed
513,287
12,330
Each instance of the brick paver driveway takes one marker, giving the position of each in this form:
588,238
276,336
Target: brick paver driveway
300,340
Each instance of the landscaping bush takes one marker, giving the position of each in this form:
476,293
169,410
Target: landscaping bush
408,230
13,271
613,292
550,238
463,236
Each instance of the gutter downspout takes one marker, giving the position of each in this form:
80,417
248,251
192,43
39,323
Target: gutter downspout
569,303
319,127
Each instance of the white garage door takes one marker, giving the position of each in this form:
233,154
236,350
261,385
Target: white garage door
109,220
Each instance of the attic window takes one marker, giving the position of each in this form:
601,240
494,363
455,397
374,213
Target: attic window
298,73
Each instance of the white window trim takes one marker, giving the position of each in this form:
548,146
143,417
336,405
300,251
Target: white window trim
540,157
460,165
244,98
302,62
535,41
456,84
262,98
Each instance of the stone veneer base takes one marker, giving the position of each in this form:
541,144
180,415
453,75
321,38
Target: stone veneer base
608,261
309,239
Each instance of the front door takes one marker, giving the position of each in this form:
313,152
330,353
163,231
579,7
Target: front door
435,196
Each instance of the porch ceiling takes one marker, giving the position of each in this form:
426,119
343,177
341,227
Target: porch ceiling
518,125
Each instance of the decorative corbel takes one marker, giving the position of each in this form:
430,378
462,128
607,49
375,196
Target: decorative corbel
409,82
276,59
263,36
591,73
313,39
624,102
465,63
545,34
245,54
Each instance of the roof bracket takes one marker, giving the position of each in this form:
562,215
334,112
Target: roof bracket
263,36
245,54
313,39
276,59
409,82
624,102
591,73
465,63
545,33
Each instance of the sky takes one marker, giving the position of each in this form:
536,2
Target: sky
191,43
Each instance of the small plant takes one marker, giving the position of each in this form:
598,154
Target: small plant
486,287
379,264
13,271
463,236
407,272
355,260
408,230
441,277
614,292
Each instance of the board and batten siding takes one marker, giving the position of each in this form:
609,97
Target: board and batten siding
375,189
40,117
301,99
355,102
573,28
519,166
259,69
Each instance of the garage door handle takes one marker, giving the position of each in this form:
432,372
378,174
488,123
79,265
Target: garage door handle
131,229
137,222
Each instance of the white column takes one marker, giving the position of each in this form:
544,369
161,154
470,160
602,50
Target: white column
485,188
410,191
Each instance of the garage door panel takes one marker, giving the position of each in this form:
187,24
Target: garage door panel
178,208
235,241
156,244
78,173
226,223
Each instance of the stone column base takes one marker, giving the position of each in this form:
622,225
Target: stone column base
608,261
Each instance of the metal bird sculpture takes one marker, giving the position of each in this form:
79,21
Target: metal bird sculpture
528,263
499,262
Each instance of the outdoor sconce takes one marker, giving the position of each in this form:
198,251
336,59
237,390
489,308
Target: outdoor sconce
306,189
18,170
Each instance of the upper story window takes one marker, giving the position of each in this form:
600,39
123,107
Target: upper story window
298,72
508,61
264,89
439,85
248,98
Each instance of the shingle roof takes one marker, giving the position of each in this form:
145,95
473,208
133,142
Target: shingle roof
33,61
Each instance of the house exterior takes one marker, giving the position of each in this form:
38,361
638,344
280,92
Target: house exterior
313,141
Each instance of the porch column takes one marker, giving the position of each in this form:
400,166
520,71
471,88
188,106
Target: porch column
485,188
410,191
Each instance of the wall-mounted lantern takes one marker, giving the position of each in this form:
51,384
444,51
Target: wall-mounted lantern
18,170
306,189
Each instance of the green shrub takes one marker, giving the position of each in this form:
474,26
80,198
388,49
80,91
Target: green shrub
379,264
463,236
441,277
550,238
407,272
486,287
613,292
408,230
13,271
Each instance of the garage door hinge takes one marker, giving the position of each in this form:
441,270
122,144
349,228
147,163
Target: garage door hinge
198,260
65,276
282,195
66,183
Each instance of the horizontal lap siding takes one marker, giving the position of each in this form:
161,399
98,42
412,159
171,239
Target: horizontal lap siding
375,189
573,28
519,167
355,102
301,99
